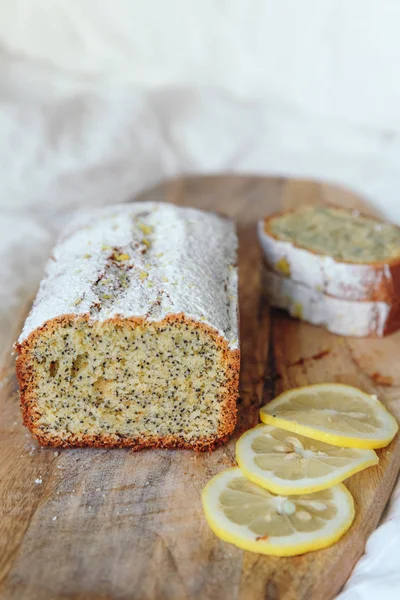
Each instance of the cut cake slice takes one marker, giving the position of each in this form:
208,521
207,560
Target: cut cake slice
335,251
344,317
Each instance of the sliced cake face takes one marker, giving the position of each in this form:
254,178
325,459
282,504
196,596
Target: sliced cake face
343,235
134,383
133,337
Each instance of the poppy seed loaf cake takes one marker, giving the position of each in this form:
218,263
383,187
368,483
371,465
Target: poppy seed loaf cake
335,251
133,337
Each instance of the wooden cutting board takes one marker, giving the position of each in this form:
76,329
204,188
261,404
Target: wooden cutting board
114,525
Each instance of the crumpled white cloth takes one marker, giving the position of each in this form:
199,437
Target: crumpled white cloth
65,143
377,574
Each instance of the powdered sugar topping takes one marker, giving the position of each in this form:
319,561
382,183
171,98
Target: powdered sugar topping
146,260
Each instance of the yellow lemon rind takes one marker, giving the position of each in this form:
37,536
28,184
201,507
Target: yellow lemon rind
288,490
335,439
265,547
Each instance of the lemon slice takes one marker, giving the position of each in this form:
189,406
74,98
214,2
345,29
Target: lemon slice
333,413
289,463
252,518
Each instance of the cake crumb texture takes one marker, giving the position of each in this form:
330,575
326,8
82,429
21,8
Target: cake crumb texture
343,234
337,251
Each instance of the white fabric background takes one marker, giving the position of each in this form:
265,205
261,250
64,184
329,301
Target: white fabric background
100,100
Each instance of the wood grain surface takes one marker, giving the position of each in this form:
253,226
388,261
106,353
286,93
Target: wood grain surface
115,525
